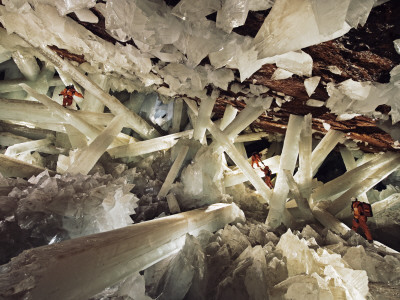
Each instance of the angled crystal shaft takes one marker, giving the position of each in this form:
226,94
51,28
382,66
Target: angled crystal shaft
105,258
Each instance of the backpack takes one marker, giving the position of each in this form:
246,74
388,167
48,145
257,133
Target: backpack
367,209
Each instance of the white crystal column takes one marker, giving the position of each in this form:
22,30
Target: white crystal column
177,116
87,129
135,121
242,150
230,149
88,156
229,115
249,114
203,118
173,204
7,86
27,64
304,177
92,263
169,180
90,102
32,111
27,147
328,220
144,147
342,183
324,147
250,137
350,163
76,138
288,160
302,202
11,167
363,186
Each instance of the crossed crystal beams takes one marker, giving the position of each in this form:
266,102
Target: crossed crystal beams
103,259
117,108
234,154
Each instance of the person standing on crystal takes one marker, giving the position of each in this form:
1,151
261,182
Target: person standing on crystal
267,177
68,95
360,217
255,159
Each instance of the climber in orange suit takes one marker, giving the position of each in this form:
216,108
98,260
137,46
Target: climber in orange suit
255,159
68,93
360,220
267,177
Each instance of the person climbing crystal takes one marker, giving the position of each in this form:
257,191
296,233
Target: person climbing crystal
361,211
267,177
68,95
255,159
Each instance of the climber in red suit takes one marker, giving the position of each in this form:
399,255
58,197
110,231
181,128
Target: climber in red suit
360,220
68,93
267,177
255,159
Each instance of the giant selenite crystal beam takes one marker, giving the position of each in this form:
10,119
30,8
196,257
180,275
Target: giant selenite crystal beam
235,155
12,85
177,116
16,110
249,114
205,111
302,202
88,156
328,220
91,103
229,115
173,172
87,129
363,186
135,121
344,182
304,177
288,160
27,147
81,267
350,164
324,147
149,146
11,167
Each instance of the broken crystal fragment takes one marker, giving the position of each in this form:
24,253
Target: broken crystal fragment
281,74
232,14
311,84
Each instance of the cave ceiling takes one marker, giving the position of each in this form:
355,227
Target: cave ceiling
363,54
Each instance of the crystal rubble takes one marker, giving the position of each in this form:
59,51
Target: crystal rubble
173,172
344,182
239,160
126,246
301,19
149,146
237,176
287,162
88,156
